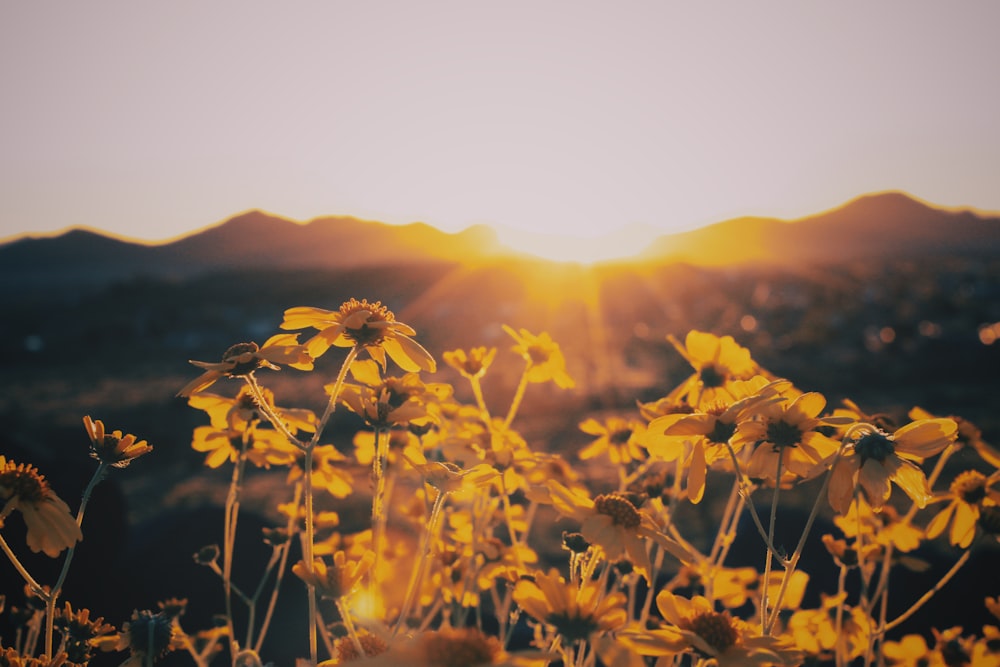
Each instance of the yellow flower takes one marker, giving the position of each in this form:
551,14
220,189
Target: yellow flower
716,362
368,326
545,358
449,478
239,413
10,657
336,581
873,458
969,435
113,448
884,527
79,633
816,634
51,527
473,364
692,626
345,650
792,436
699,439
968,492
620,439
613,523
576,612
451,647
329,472
245,358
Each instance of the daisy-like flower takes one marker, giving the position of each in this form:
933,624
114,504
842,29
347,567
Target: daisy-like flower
113,448
449,478
816,633
969,435
873,458
329,472
368,326
713,434
613,523
146,634
621,440
885,527
544,357
472,364
692,626
717,361
792,435
336,581
345,649
51,527
239,413
79,633
378,407
245,358
576,612
968,492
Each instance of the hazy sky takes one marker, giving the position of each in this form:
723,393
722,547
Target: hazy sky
152,119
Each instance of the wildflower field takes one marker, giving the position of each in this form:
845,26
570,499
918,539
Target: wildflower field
728,517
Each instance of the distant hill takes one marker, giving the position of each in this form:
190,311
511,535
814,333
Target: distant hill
250,240
879,225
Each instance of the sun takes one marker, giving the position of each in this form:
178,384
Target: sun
564,246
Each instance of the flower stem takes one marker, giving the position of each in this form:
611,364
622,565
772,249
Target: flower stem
515,403
418,572
53,597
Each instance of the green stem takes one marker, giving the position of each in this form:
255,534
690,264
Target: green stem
285,550
273,417
32,584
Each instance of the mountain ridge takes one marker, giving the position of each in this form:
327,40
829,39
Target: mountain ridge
878,224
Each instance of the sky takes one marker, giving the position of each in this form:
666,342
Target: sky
562,117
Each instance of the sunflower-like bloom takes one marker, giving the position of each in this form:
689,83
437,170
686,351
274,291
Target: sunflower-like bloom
369,326
472,365
447,477
968,492
873,458
692,626
717,362
544,357
245,358
336,581
576,612
345,649
243,411
702,438
621,440
51,527
791,435
612,522
80,633
113,448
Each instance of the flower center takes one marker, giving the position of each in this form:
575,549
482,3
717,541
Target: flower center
970,486
781,434
365,334
24,481
621,511
243,357
538,354
716,629
711,377
620,437
139,633
572,627
372,645
875,445
459,649
721,432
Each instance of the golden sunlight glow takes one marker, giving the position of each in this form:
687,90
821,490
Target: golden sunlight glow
564,247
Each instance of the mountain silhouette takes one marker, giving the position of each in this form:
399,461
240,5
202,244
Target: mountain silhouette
878,225
889,224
